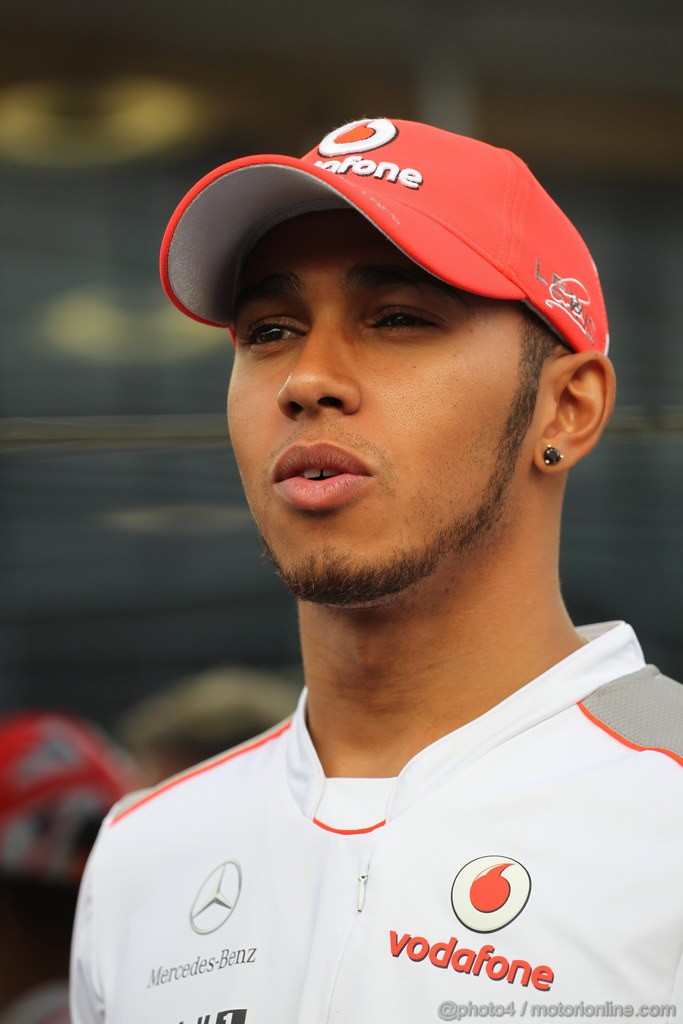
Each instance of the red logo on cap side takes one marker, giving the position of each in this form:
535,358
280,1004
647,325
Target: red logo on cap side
358,137
571,296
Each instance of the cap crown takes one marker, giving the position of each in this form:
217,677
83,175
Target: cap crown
490,201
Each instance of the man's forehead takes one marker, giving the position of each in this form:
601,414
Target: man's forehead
341,241
324,234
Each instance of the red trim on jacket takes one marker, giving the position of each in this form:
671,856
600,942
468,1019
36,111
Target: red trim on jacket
349,831
200,769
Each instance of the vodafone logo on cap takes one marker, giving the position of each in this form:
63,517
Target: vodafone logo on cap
358,137
490,892
342,148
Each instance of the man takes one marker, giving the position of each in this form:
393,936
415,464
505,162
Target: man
476,807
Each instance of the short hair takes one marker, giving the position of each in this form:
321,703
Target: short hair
538,343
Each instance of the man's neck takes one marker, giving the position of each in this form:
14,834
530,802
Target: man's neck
386,682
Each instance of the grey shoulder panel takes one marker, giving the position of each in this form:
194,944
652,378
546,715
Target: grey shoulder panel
128,800
644,708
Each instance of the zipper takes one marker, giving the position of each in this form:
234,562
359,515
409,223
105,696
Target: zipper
362,879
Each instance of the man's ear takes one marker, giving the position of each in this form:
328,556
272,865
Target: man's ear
576,399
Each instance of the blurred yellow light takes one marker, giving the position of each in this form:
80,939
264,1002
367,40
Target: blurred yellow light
183,519
53,123
133,327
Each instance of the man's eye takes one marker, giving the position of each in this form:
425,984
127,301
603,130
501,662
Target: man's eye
262,334
401,319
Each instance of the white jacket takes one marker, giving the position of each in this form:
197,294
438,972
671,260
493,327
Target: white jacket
528,863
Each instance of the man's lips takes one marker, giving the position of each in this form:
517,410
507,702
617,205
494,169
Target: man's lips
319,477
305,457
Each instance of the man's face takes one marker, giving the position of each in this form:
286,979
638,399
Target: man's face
371,410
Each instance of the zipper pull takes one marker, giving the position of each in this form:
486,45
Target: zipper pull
362,879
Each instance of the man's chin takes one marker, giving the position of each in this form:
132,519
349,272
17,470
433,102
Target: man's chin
333,579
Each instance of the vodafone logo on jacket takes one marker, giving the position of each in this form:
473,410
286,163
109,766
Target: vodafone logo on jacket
490,892
359,137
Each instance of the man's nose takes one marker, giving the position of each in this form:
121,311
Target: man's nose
323,377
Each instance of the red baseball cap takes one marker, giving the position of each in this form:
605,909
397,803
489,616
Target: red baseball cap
58,778
468,213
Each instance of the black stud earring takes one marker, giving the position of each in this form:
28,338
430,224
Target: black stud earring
551,456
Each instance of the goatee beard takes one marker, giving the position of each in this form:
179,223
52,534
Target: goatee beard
332,578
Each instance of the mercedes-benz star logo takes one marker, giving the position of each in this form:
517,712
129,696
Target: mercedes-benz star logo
217,898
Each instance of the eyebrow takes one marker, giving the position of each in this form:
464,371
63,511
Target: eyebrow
268,287
377,276
362,275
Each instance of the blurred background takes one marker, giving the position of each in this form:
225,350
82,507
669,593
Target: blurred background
128,556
